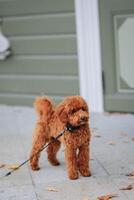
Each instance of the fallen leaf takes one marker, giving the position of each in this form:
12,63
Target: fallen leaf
2,165
52,189
13,166
97,135
107,197
131,178
129,187
112,143
130,174
133,138
85,198
95,132
123,134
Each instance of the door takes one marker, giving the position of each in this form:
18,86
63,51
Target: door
44,51
117,42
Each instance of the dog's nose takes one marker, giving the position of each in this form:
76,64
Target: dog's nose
84,118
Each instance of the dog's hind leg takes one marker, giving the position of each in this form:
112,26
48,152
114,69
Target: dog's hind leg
39,140
52,151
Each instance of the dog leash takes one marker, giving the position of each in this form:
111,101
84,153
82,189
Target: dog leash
69,128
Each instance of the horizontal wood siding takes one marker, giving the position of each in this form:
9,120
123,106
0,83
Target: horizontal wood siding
44,51
39,84
40,24
27,7
24,100
40,65
44,45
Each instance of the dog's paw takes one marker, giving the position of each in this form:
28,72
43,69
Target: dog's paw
54,161
35,168
73,176
85,173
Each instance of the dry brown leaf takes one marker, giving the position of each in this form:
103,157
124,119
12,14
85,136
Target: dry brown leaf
131,178
123,134
2,165
129,187
13,166
52,189
97,135
112,143
131,174
85,198
95,132
107,197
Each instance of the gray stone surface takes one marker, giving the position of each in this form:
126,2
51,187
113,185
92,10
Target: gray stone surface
112,153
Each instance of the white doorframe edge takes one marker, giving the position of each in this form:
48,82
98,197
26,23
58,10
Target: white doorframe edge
89,53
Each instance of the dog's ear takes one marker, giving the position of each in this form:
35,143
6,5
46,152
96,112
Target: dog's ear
61,113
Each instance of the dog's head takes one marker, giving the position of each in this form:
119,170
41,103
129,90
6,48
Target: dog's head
73,110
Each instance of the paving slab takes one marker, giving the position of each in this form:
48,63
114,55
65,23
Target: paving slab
24,192
84,188
112,148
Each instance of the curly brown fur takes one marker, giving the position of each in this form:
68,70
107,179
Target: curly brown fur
52,120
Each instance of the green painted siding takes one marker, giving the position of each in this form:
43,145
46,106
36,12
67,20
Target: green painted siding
27,7
38,84
61,23
41,65
44,51
49,45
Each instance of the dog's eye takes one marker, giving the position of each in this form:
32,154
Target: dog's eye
73,111
83,109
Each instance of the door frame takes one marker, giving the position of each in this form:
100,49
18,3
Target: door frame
89,53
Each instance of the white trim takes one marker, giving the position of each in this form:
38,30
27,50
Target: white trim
89,54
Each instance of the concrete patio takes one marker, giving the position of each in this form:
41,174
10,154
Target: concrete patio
112,157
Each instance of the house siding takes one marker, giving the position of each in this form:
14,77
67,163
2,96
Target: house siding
44,51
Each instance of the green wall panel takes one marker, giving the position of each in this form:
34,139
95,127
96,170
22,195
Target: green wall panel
24,7
44,45
24,100
39,84
44,51
40,65
39,24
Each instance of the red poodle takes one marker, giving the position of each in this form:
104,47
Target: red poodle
52,121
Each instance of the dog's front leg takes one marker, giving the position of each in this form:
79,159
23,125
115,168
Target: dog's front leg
71,162
83,160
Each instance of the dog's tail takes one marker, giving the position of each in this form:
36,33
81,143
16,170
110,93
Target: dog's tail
44,108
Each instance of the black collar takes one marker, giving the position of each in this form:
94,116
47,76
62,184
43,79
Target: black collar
71,128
